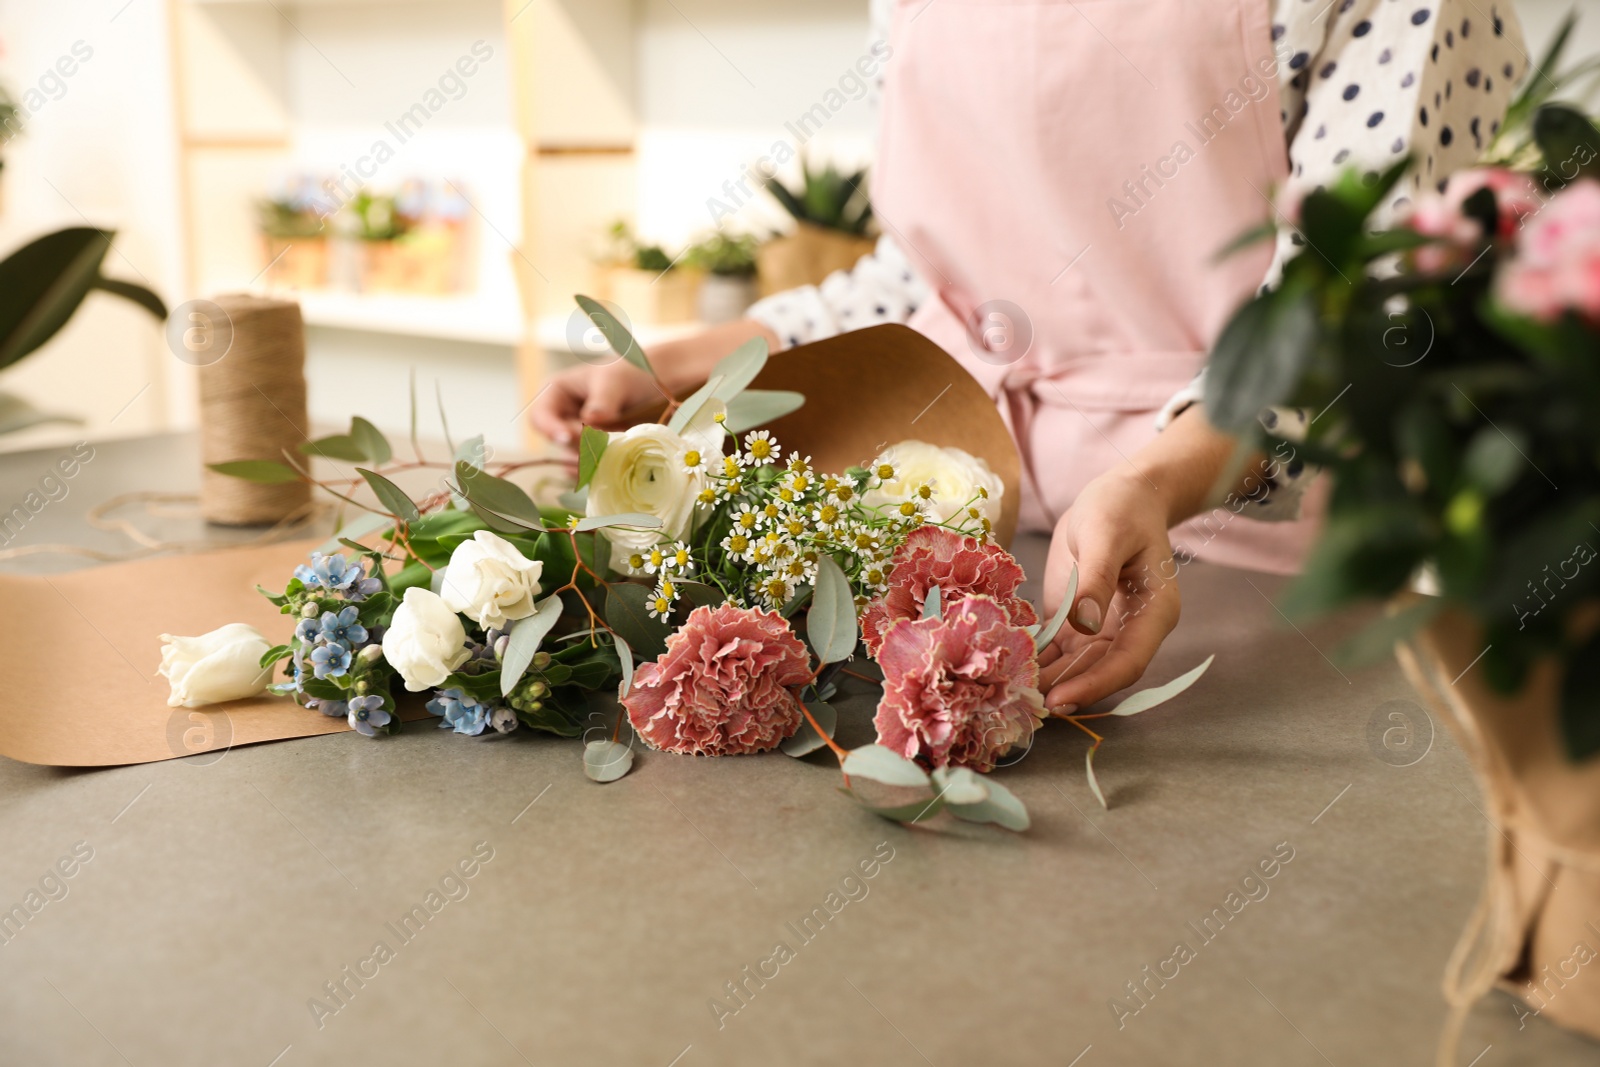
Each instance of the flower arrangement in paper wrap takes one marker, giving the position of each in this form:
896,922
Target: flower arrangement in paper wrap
713,582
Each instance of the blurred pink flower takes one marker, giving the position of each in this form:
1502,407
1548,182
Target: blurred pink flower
958,565
722,686
960,689
1557,265
1440,215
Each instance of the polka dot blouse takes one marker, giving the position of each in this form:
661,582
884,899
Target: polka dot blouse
1365,82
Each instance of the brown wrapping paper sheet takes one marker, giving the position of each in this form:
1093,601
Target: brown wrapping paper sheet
83,649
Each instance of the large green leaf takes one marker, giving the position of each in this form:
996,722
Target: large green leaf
1260,357
757,407
45,281
616,334
831,622
627,611
497,496
739,368
591,446
526,636
1569,141
260,471
391,496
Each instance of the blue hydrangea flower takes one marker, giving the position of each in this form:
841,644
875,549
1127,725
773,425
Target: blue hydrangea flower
342,627
333,709
459,711
338,574
330,660
367,714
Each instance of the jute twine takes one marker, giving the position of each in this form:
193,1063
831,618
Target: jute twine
253,406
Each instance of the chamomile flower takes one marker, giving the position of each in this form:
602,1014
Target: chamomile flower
864,541
827,515
635,563
794,524
875,578
799,464
694,462
680,559
885,472
708,495
655,560
774,590
797,570
747,520
661,601
798,482
738,545
732,466
728,488
760,449
840,490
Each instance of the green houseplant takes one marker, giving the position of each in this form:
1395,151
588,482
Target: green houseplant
1455,405
729,286
833,216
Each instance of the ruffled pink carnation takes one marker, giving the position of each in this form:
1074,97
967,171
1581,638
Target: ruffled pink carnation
958,565
960,689
1441,215
722,686
1557,265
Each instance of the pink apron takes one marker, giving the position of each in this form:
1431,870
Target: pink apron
1069,170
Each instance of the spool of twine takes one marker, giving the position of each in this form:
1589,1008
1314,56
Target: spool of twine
253,406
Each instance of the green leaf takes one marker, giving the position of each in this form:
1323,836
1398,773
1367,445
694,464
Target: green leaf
616,334
915,812
960,785
624,657
1094,783
591,446
1494,459
274,654
526,636
831,622
1145,699
1259,358
1002,807
261,471
931,606
472,452
497,496
391,496
806,740
1376,642
700,594
1564,135
627,612
684,416
632,519
757,407
1266,231
882,765
371,440
1053,627
739,368
606,761
335,446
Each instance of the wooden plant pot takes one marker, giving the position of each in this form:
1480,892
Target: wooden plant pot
651,297
807,256
296,262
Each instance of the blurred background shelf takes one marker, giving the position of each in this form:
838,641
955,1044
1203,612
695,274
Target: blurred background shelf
470,317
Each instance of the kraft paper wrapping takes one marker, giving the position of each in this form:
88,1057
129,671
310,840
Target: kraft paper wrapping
83,649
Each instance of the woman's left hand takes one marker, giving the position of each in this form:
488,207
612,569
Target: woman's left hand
1127,599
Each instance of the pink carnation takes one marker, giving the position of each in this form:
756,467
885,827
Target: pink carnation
958,565
1557,265
961,689
1441,215
722,686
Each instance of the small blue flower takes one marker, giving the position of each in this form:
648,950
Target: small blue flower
342,627
330,660
367,714
307,630
333,709
338,574
459,712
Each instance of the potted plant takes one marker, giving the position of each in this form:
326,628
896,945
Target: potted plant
294,242
832,215
646,282
1456,405
729,286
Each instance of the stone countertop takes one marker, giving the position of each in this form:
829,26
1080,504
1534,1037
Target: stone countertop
217,903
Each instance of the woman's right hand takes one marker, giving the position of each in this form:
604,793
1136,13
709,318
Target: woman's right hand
602,395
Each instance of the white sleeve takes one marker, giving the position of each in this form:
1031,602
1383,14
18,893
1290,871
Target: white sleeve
881,287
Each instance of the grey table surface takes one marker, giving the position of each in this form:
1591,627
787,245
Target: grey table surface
224,895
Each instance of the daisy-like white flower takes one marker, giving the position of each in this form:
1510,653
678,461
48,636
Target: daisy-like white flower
864,541
799,482
694,462
738,545
655,561
680,559
635,562
875,578
796,570
884,472
771,512
799,464
840,489
660,604
760,449
728,488
732,466
708,495
747,520
774,590
828,515
795,524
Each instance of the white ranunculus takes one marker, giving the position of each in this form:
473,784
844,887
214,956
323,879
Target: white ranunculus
489,581
644,470
224,664
955,475
425,641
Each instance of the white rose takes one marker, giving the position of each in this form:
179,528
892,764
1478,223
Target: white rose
425,641
489,581
224,664
645,470
955,475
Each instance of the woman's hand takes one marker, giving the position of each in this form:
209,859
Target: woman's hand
1127,600
602,396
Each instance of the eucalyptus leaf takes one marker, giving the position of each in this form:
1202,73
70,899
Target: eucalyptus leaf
931,606
918,811
739,368
1094,783
575,501
625,657
335,446
260,471
526,636
1376,642
1145,699
831,622
391,496
691,407
497,495
630,519
627,612
591,446
1259,357
960,785
606,761
371,440
616,334
882,765
806,740
1001,807
472,452
757,407
1048,632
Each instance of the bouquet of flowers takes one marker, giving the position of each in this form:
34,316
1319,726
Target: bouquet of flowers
716,584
